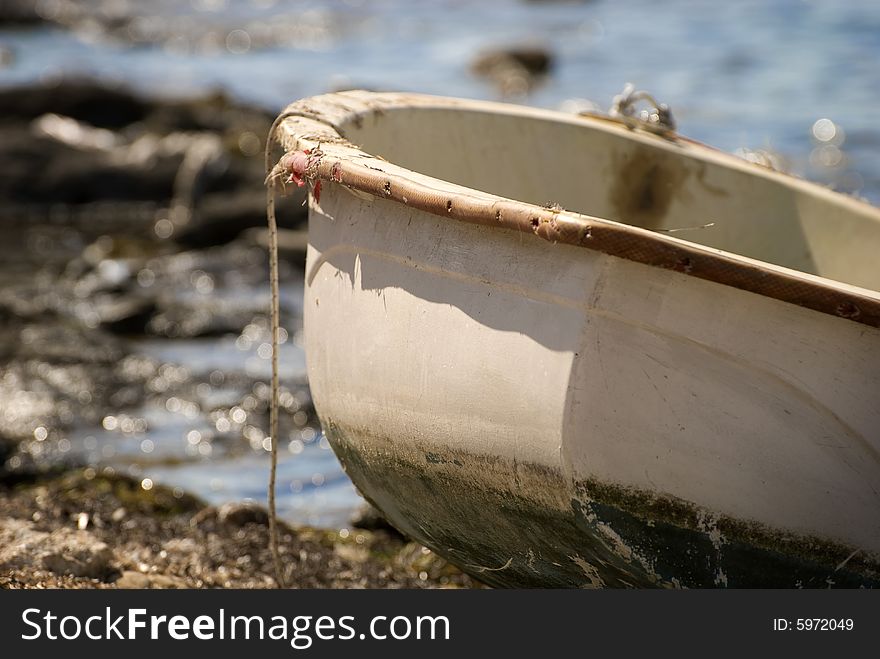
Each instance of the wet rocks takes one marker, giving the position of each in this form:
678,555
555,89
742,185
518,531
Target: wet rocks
121,315
239,514
62,551
168,541
69,146
61,374
516,70
127,218
197,293
121,216
196,27
86,101
39,172
131,579
19,13
369,518
6,448
78,554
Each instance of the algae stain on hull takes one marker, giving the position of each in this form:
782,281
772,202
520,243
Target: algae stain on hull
467,508
645,184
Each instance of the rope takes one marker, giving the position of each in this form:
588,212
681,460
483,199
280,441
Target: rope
274,173
276,326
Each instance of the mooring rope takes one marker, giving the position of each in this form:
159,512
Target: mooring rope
274,174
276,329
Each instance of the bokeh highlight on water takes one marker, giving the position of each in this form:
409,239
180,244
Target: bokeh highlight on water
790,82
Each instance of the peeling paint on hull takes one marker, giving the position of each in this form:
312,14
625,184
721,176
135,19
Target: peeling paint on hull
605,536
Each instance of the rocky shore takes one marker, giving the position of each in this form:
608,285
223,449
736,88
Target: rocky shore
84,529
122,218
126,221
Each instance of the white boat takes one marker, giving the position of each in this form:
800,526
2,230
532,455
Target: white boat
522,367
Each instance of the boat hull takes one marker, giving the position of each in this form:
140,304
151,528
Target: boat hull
543,415
569,393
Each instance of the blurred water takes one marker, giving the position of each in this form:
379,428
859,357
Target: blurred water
752,74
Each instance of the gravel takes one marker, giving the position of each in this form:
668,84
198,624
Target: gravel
82,529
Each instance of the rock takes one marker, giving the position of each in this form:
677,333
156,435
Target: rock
533,60
140,581
239,514
158,547
368,518
189,289
64,551
133,580
82,521
352,553
125,315
6,450
14,13
79,556
185,546
65,148
516,70
205,516
103,105
57,342
221,217
39,169
62,375
166,582
124,23
84,100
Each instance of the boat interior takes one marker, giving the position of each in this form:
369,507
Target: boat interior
600,168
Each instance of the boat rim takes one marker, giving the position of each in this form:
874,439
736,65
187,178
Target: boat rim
316,150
